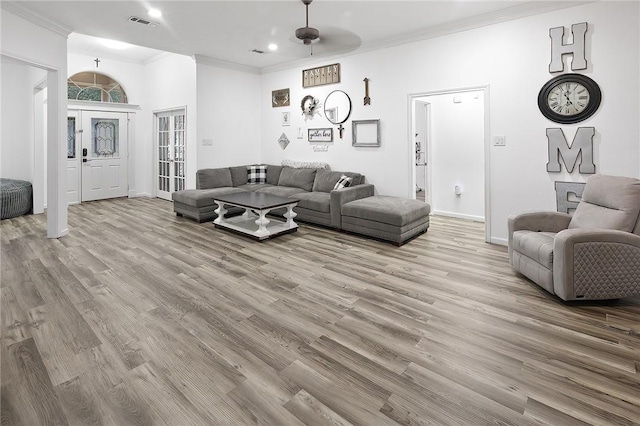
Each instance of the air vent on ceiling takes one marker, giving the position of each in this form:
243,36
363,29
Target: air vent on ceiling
258,51
142,21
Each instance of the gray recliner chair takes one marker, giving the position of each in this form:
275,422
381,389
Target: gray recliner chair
592,255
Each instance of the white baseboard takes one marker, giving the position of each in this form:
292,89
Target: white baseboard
140,194
64,232
499,241
459,215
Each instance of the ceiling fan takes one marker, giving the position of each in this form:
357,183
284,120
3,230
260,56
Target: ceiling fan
333,39
307,34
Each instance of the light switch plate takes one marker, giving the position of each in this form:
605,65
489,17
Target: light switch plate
499,141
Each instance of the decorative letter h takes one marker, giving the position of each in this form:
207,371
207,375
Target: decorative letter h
558,48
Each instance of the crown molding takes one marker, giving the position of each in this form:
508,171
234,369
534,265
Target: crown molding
511,13
28,15
207,60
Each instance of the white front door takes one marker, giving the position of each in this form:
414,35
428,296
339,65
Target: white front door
104,155
171,152
73,157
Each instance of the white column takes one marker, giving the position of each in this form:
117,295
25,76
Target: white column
56,154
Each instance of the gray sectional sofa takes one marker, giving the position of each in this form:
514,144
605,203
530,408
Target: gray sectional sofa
319,202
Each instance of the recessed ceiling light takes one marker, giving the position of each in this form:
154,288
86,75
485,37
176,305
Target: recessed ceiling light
113,44
273,47
155,13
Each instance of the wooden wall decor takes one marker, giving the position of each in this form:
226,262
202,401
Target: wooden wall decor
320,76
280,98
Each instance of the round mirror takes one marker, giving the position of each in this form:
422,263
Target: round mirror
337,107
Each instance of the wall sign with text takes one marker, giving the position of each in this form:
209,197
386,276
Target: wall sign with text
320,135
319,76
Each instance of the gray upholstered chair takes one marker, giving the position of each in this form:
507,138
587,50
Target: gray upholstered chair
592,255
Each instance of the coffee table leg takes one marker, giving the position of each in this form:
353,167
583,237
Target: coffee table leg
262,223
290,215
220,211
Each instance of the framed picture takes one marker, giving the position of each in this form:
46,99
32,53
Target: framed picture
321,135
280,98
365,132
286,118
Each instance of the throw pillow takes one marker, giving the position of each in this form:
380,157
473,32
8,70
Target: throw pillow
343,182
256,174
297,178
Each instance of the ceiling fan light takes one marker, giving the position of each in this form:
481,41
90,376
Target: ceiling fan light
307,33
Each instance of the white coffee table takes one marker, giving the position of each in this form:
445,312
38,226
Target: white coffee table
253,222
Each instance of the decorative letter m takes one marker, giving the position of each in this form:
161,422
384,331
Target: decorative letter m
558,48
559,148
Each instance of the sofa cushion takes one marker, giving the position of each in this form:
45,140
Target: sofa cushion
326,180
608,202
255,186
395,211
202,197
213,178
239,175
273,174
537,246
297,178
282,191
257,174
317,201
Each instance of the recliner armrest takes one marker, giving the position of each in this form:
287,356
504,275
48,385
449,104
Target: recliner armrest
340,197
538,222
613,255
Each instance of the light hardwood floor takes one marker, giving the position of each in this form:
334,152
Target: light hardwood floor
140,317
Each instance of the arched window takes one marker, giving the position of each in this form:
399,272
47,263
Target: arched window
96,87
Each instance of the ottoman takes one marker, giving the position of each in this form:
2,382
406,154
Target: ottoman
16,198
388,218
198,203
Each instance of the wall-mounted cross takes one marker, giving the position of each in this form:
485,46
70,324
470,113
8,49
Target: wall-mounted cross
97,61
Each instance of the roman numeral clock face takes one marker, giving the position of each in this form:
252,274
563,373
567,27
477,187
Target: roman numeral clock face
569,98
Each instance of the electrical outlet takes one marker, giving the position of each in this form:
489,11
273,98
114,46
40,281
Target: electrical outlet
499,141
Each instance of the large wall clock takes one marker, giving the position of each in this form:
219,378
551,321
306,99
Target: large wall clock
569,98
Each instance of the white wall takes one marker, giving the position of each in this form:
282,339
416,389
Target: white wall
456,154
47,49
17,137
171,83
512,58
230,114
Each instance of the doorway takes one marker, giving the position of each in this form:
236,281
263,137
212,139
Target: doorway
171,152
97,155
449,152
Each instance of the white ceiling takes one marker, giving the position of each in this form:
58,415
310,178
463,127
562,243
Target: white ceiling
227,31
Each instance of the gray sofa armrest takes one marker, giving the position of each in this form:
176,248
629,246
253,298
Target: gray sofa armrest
596,264
538,222
340,197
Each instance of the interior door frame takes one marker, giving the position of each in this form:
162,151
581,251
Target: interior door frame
426,152
155,169
411,100
77,114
